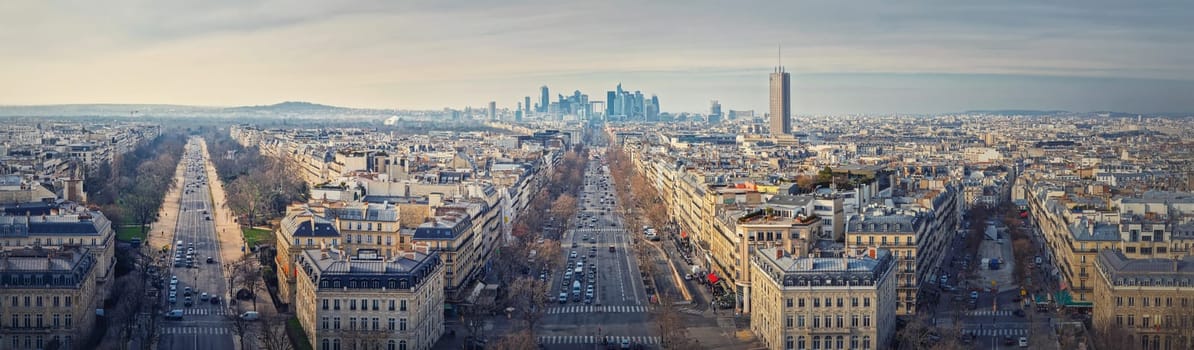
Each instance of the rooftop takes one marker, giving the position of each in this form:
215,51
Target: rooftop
1122,271
791,271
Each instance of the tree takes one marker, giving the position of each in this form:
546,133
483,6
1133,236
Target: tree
521,340
672,331
240,327
272,334
527,295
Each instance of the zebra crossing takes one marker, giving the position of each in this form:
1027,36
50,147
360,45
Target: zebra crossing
589,339
989,313
196,330
580,309
205,311
988,332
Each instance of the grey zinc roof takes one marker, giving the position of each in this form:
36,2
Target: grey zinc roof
1124,271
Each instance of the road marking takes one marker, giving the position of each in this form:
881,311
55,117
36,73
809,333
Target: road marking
589,339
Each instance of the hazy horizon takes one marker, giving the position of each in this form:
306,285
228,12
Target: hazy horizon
859,57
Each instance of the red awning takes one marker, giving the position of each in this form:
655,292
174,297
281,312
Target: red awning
712,278
683,234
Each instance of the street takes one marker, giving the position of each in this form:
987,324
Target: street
197,267
599,255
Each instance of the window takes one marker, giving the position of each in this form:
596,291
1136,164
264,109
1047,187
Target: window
788,322
854,302
841,323
853,341
1119,320
325,304
27,300
16,301
789,302
56,321
402,305
1119,301
800,321
866,342
853,320
324,323
828,342
866,302
841,342
816,302
1131,301
324,345
840,303
393,323
391,345
401,345
391,304
402,324
816,322
799,302
1131,320
352,304
335,323
866,321
816,342
1146,321
375,308
66,321
56,301
336,304
352,323
1157,301
789,343
39,323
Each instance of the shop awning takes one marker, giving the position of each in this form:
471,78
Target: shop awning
712,278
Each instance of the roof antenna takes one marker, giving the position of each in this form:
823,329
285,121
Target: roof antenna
779,57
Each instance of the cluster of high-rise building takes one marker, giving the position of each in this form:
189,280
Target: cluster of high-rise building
625,105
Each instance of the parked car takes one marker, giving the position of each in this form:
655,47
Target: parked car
249,316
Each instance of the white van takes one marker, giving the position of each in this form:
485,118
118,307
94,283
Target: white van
249,316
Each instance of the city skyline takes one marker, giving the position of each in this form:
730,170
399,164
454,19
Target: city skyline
867,57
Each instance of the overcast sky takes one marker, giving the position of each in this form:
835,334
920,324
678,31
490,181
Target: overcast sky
845,56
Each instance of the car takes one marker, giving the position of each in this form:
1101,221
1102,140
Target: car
249,316
204,297
1023,342
625,343
973,295
175,314
210,260
173,280
215,300
188,302
592,254
573,254
173,300
173,288
563,297
612,249
1008,340
574,244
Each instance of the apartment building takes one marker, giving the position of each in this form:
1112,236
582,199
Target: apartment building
901,233
768,228
68,226
465,233
823,303
1144,303
48,297
366,301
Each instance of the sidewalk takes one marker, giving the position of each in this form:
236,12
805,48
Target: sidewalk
161,232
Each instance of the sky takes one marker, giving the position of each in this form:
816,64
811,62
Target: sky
863,56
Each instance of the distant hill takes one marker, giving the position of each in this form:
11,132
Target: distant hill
292,107
287,109
1017,112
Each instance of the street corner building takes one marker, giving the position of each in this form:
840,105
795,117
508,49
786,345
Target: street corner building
367,301
844,302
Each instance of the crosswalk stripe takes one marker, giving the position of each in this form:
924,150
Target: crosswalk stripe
588,339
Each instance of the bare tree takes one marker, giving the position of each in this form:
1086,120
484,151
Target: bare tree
672,331
272,334
521,340
240,327
528,297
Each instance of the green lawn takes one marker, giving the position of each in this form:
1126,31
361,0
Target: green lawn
298,338
256,235
127,233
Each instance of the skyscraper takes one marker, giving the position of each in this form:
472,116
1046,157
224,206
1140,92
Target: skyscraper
781,103
544,99
714,112
527,105
492,110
